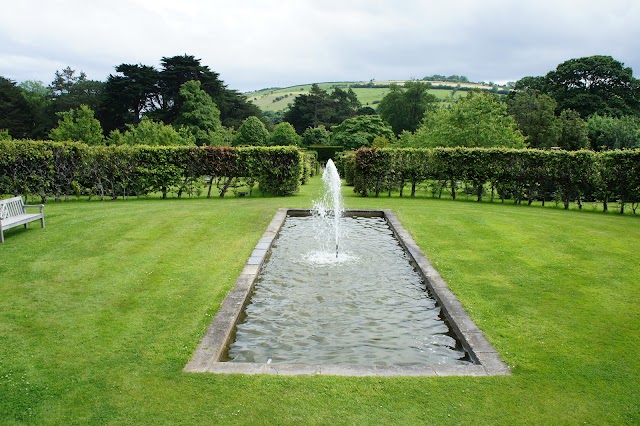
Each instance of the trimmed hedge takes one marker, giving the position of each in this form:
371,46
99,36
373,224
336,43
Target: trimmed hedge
57,170
326,152
518,174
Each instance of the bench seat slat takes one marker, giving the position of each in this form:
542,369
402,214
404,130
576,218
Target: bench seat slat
19,220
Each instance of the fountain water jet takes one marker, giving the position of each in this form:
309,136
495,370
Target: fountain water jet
330,206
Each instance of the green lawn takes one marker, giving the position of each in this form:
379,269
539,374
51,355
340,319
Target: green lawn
101,310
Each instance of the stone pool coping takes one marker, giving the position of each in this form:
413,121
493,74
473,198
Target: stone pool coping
213,346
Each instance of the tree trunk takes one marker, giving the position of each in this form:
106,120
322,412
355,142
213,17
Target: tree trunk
225,187
210,186
101,189
453,189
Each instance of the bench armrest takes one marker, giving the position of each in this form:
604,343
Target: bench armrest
40,206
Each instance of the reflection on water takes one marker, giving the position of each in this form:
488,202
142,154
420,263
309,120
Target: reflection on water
365,307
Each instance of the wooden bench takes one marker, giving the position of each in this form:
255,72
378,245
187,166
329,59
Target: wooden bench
13,212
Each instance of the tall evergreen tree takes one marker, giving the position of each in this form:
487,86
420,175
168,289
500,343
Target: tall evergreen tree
140,90
15,115
128,95
199,115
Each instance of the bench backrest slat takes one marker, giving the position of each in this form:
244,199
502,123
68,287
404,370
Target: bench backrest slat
11,207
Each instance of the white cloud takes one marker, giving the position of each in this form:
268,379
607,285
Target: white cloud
254,43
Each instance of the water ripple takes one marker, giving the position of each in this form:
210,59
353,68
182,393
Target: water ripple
367,306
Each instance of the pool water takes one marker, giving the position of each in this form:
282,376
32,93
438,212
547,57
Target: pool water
365,306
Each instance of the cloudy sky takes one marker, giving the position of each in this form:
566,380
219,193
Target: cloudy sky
256,44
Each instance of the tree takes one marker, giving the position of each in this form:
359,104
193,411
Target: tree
78,125
345,104
595,84
15,115
252,132
310,110
128,95
64,81
140,90
149,132
360,131
87,92
316,136
404,107
537,84
39,99
70,90
535,114
573,131
478,120
321,108
235,108
199,115
613,133
177,70
284,134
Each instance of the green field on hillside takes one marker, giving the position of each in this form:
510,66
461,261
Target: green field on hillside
278,99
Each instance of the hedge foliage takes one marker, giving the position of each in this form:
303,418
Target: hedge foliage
58,170
325,152
517,174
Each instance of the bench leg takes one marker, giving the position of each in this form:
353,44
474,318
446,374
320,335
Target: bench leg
25,225
1,236
42,222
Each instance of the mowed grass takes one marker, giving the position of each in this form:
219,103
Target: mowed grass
101,310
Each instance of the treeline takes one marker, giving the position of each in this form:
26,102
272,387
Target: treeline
493,89
30,110
521,175
451,78
54,170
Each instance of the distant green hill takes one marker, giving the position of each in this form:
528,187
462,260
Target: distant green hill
278,99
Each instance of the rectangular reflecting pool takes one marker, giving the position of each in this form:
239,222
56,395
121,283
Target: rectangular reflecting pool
374,307
365,305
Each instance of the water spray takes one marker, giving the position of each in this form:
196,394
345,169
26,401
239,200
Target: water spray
333,193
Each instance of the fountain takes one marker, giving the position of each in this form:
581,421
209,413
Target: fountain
333,195
365,304
310,301
327,212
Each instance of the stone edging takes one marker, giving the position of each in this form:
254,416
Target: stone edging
212,347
